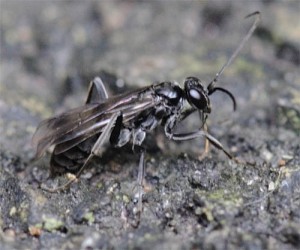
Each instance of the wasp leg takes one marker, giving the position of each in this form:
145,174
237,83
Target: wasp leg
115,133
187,113
96,92
201,133
119,137
203,118
140,185
140,180
96,151
206,146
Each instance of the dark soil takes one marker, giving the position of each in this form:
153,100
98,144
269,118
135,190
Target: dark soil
50,50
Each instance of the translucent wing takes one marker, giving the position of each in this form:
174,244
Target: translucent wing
81,123
96,125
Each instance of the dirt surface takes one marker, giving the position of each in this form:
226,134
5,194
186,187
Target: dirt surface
50,50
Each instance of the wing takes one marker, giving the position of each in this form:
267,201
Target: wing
76,125
96,125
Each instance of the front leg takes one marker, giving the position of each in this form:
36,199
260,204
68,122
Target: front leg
169,131
202,133
171,123
174,119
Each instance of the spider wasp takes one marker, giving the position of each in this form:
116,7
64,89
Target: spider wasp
80,134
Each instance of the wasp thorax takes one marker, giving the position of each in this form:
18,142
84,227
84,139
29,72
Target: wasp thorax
196,95
172,93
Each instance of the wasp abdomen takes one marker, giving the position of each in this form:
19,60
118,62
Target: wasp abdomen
71,160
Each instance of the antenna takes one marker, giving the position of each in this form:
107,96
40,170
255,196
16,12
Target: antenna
211,88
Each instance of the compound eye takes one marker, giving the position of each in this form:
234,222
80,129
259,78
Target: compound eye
196,95
197,98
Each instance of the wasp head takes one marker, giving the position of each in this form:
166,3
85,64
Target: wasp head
198,96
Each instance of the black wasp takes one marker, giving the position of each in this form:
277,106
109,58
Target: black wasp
80,133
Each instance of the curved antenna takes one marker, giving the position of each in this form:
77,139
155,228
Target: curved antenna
227,92
211,87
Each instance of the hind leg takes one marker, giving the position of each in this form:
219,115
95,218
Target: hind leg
96,150
97,92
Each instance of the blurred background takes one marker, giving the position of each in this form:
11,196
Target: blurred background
49,52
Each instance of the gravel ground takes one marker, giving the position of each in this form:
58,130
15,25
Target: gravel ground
50,50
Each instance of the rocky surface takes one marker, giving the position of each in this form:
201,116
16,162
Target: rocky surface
51,50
